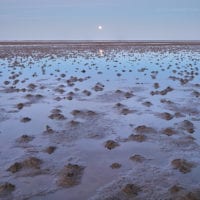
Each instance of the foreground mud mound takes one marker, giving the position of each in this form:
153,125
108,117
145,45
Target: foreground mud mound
183,165
6,189
29,163
110,144
70,175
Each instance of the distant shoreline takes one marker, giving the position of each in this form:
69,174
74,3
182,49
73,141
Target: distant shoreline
101,42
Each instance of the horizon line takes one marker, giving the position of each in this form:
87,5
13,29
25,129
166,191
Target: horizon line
60,40
98,42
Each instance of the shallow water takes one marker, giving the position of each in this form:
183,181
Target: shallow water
125,75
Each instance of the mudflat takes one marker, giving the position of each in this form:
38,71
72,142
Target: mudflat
99,120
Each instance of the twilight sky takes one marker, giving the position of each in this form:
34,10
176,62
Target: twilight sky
79,19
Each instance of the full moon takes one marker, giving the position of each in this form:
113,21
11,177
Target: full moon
100,27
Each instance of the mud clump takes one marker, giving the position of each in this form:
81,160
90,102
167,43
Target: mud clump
87,92
162,92
95,135
115,165
128,95
119,105
131,189
145,129
25,119
175,189
15,167
20,106
34,98
178,115
143,69
88,113
31,162
147,104
188,126
182,165
165,91
169,131
110,144
71,175
6,82
137,158
74,123
194,195
50,149
166,101
57,116
123,110
58,98
156,85
29,96
60,90
196,94
25,139
98,87
6,188
49,130
56,110
126,111
69,98
118,92
38,96
137,137
32,86
166,116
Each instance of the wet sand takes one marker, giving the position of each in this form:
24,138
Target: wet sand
99,121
